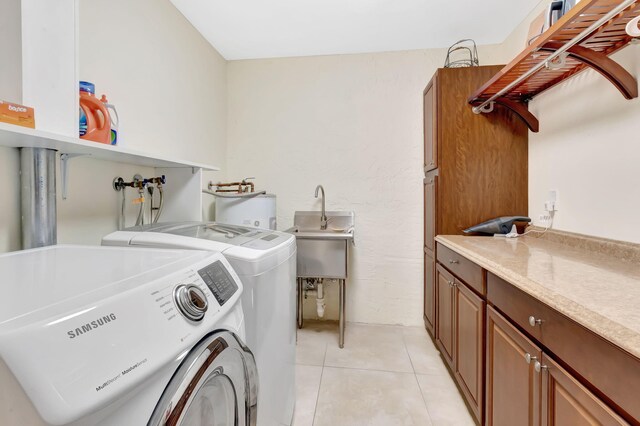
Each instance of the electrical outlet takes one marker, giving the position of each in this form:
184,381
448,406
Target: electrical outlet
545,219
551,205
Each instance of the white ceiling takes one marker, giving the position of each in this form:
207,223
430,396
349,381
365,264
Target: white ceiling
244,29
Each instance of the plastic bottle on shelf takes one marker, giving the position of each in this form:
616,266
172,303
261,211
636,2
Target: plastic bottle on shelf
95,124
113,116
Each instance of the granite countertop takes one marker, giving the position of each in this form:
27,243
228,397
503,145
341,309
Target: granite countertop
594,288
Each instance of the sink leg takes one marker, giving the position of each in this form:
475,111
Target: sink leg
300,302
342,297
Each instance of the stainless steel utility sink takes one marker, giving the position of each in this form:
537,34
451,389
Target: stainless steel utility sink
322,253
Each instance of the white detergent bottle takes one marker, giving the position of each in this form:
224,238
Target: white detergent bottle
113,114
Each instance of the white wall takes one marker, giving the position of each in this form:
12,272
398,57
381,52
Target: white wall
10,51
167,82
588,149
354,124
169,86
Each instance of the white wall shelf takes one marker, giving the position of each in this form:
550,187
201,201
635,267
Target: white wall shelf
22,137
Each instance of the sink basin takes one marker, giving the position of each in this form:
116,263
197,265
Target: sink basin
322,253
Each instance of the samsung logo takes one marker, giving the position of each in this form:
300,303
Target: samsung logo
85,328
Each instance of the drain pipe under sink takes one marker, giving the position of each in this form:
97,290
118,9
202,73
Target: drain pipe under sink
320,299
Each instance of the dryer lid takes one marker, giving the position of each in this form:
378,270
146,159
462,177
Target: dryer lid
36,279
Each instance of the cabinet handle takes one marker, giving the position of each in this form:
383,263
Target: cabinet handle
539,367
454,262
533,321
529,358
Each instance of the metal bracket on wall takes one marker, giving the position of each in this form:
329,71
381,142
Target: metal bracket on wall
558,62
64,170
486,109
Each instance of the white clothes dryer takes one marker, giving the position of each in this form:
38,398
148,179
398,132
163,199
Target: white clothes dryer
265,260
112,336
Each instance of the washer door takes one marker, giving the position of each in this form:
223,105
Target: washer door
216,385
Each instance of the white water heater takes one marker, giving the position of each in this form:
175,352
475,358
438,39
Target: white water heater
258,211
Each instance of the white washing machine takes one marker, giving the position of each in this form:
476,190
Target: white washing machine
111,336
265,260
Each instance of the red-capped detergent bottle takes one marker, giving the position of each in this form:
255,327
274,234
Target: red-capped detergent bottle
95,124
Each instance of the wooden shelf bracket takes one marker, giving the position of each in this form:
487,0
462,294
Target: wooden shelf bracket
610,69
521,110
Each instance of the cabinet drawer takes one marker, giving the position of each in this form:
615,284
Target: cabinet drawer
462,267
612,371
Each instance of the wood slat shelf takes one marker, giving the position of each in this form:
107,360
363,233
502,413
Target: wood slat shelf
592,50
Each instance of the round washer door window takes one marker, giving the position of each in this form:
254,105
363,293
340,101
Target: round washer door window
214,404
215,385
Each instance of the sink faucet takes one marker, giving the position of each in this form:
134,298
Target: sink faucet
323,216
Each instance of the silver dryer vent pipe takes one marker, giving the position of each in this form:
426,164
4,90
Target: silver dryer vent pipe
38,197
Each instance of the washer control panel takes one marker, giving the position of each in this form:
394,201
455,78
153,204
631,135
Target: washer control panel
217,277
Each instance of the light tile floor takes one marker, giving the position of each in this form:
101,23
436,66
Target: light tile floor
384,375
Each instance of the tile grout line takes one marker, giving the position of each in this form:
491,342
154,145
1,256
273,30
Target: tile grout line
424,400
404,342
315,408
415,376
368,369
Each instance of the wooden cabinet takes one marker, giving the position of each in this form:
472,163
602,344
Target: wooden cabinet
445,313
467,180
460,335
430,200
429,292
470,273
430,189
613,371
525,386
430,126
566,402
469,345
514,370
513,387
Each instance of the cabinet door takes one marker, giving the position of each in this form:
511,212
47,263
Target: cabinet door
513,385
430,187
445,313
430,126
429,292
469,339
566,402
